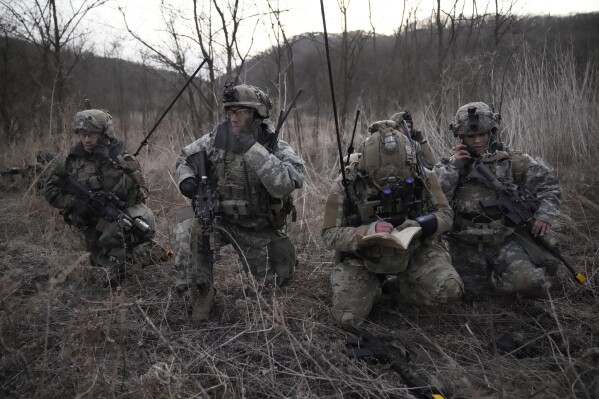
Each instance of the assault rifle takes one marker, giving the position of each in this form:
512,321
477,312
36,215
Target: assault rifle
365,346
518,206
206,208
26,172
11,171
108,206
206,204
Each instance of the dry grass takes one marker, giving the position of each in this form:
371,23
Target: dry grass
63,335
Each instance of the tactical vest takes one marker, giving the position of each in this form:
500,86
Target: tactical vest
242,194
385,186
471,223
86,172
385,178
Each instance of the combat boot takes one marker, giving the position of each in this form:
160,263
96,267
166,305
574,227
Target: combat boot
202,299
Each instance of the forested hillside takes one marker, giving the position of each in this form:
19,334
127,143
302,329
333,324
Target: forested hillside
64,334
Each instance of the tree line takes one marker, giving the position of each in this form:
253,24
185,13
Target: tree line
433,65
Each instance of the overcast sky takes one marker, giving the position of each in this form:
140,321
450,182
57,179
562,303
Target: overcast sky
144,17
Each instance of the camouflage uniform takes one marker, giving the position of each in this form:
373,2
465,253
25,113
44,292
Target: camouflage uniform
424,272
120,174
254,189
428,156
486,250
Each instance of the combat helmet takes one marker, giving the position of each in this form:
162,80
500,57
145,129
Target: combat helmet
93,121
247,96
475,118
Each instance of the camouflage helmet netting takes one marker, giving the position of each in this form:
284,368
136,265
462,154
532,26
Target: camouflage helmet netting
474,118
93,121
400,116
247,96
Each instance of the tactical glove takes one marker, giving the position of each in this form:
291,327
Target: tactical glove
101,151
189,187
244,142
79,214
417,135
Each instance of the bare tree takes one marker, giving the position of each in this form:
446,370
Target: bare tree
352,44
215,29
52,29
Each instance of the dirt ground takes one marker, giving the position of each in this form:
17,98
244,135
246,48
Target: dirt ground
62,334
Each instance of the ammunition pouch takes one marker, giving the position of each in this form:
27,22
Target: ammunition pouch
235,208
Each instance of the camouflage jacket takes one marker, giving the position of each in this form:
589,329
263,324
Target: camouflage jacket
248,183
337,231
514,169
120,175
428,156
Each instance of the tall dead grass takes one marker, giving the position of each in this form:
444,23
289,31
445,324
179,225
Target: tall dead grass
63,334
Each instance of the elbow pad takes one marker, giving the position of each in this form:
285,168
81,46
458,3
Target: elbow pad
428,223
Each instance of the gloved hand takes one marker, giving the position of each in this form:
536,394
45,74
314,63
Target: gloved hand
80,213
189,187
417,135
244,142
101,151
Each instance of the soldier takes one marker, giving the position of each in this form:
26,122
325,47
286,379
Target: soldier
100,162
428,155
486,249
386,189
254,178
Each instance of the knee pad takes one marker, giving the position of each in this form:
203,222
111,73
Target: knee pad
454,289
346,318
520,276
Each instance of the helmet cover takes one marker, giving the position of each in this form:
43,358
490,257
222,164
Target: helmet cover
475,118
247,96
93,121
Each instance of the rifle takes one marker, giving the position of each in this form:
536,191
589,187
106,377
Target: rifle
518,206
107,206
206,205
206,208
363,345
282,117
145,140
11,171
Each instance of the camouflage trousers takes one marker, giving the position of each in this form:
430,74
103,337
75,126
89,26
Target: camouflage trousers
516,266
265,252
428,280
112,248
